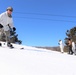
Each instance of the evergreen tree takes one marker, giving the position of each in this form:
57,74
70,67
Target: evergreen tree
70,34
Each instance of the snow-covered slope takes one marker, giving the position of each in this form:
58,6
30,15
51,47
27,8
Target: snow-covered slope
33,61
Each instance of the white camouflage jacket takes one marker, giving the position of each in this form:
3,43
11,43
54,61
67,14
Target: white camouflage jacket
61,44
5,20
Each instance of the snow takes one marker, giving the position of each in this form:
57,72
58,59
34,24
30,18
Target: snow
34,61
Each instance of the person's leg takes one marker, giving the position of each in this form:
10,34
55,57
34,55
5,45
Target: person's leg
70,47
62,50
7,33
8,39
1,34
75,52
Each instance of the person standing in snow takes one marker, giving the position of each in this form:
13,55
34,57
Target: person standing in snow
6,21
73,47
61,46
70,46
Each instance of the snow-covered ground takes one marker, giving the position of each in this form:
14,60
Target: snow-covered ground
34,61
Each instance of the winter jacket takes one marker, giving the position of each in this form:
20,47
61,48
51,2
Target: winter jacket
73,46
5,20
69,43
61,44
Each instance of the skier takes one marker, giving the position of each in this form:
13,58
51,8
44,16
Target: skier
73,47
6,21
70,46
61,46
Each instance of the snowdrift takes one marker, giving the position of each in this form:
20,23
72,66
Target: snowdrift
34,61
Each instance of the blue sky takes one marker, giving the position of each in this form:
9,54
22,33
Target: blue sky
41,22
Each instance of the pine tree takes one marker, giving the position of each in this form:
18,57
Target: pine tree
70,34
14,38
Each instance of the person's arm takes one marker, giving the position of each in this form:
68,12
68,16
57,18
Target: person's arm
12,25
1,17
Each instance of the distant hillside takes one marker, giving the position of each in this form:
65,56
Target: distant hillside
54,48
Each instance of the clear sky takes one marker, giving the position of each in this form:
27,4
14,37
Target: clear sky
41,22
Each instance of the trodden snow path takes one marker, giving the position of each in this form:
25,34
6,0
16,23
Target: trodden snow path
33,61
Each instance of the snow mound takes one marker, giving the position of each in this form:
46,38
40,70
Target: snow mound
34,61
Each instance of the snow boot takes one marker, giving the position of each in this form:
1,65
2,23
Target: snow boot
0,44
10,45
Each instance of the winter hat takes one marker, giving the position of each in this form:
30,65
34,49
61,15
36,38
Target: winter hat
10,8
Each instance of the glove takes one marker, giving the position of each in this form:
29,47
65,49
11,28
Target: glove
1,26
14,29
